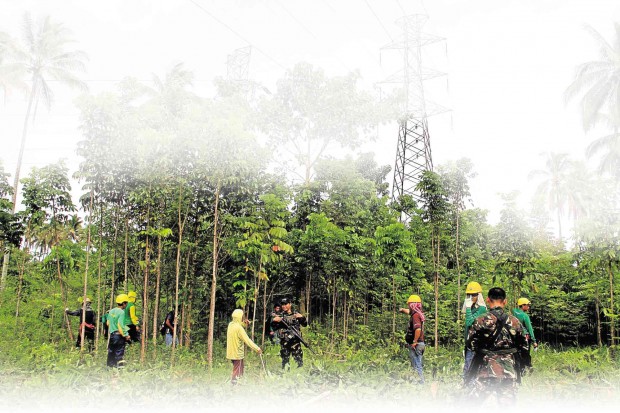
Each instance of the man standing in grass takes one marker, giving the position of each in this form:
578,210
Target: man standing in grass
521,314
119,333
415,334
473,307
495,337
89,318
236,337
131,319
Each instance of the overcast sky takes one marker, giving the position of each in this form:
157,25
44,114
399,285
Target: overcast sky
508,63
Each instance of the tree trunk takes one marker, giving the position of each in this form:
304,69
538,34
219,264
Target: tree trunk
256,290
114,242
145,288
458,269
612,320
181,224
437,294
599,340
126,257
19,285
393,307
20,157
156,310
85,291
99,252
214,277
184,305
264,313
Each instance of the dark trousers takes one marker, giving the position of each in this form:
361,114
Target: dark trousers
290,348
134,334
116,349
89,335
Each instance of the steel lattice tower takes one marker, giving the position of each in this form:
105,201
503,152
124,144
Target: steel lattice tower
413,151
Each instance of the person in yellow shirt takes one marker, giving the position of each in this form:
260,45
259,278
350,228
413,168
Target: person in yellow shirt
131,319
236,337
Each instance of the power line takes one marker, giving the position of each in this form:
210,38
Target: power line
300,24
353,35
378,20
237,34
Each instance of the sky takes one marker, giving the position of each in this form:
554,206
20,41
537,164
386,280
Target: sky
507,65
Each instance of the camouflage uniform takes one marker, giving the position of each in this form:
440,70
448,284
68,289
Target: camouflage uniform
289,344
494,370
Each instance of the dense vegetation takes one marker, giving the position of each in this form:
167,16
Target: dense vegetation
186,200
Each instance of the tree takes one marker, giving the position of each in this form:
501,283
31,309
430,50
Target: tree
435,208
44,55
559,187
455,176
310,111
10,226
598,84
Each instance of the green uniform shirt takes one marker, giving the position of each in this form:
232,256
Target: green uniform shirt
471,314
524,318
116,321
130,314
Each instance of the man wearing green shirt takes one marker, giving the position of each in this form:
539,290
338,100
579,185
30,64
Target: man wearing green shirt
473,307
521,314
131,319
118,331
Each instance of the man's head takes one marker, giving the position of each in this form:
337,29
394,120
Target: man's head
121,300
132,296
237,315
496,297
524,303
472,290
286,304
277,307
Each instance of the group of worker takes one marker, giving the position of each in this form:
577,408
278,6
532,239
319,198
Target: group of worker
121,326
497,344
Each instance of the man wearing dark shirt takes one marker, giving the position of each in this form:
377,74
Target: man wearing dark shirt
415,334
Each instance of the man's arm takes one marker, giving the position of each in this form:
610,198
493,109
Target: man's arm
133,316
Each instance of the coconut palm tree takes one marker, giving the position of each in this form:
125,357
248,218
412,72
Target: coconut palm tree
558,186
598,84
44,55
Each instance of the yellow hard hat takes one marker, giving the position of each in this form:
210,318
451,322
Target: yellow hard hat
473,288
523,301
80,300
132,294
121,298
414,299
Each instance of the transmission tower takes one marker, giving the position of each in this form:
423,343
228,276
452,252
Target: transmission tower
413,150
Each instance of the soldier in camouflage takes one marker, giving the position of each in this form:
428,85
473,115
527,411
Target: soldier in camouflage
497,339
283,322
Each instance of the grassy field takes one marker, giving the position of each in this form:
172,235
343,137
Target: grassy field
43,377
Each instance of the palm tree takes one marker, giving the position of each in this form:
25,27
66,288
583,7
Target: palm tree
598,84
43,55
558,186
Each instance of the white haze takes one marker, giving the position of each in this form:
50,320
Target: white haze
507,63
